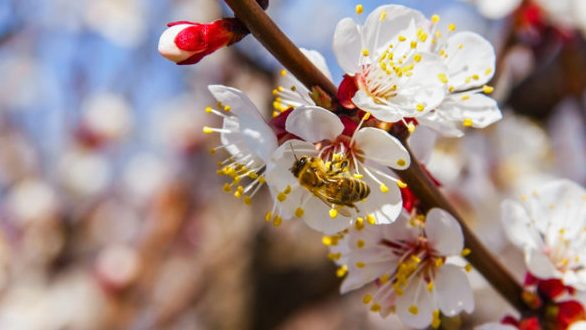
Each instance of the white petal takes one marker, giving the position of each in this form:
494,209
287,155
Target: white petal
400,230
359,277
317,217
278,174
423,87
383,148
385,206
318,60
453,289
517,225
395,19
495,326
383,112
496,9
257,135
444,232
422,142
347,45
314,124
540,265
580,325
419,296
478,108
469,54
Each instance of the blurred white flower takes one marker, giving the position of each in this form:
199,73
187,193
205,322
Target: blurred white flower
364,156
84,172
495,9
406,264
145,175
117,265
107,117
32,200
495,326
121,21
550,226
245,136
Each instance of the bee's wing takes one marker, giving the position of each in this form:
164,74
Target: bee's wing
319,193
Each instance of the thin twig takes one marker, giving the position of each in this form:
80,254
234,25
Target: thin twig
265,30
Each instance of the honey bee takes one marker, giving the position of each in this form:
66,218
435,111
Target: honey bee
330,183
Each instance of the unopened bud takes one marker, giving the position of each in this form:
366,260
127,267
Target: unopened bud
188,42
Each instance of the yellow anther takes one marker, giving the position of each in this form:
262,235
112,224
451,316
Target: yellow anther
359,9
475,77
287,189
227,108
262,180
365,52
227,187
277,221
358,176
281,89
465,97
452,27
413,44
443,78
366,299
439,262
401,184
430,286
382,15
435,19
461,46
360,264
208,130
375,308
341,271
209,109
333,213
359,224
283,72
401,162
402,38
366,116
413,310
268,216
487,89
468,122
384,188
466,252
299,212
435,319
329,240
417,58
411,127
360,243
384,278
238,194
281,197
488,72
371,219
468,268
420,107
451,89
247,200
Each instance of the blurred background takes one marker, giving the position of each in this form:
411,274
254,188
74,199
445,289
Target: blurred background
112,217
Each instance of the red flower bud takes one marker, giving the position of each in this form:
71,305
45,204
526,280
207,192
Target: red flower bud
346,92
187,42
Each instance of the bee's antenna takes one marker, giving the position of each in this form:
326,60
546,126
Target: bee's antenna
293,150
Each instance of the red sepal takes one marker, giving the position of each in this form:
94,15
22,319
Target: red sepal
346,91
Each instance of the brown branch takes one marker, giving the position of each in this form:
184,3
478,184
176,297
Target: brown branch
265,30
276,42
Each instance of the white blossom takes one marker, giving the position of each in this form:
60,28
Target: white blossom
550,226
406,267
367,153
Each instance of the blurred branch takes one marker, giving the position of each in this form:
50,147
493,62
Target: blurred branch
266,31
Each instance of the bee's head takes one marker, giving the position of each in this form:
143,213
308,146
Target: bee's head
299,164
